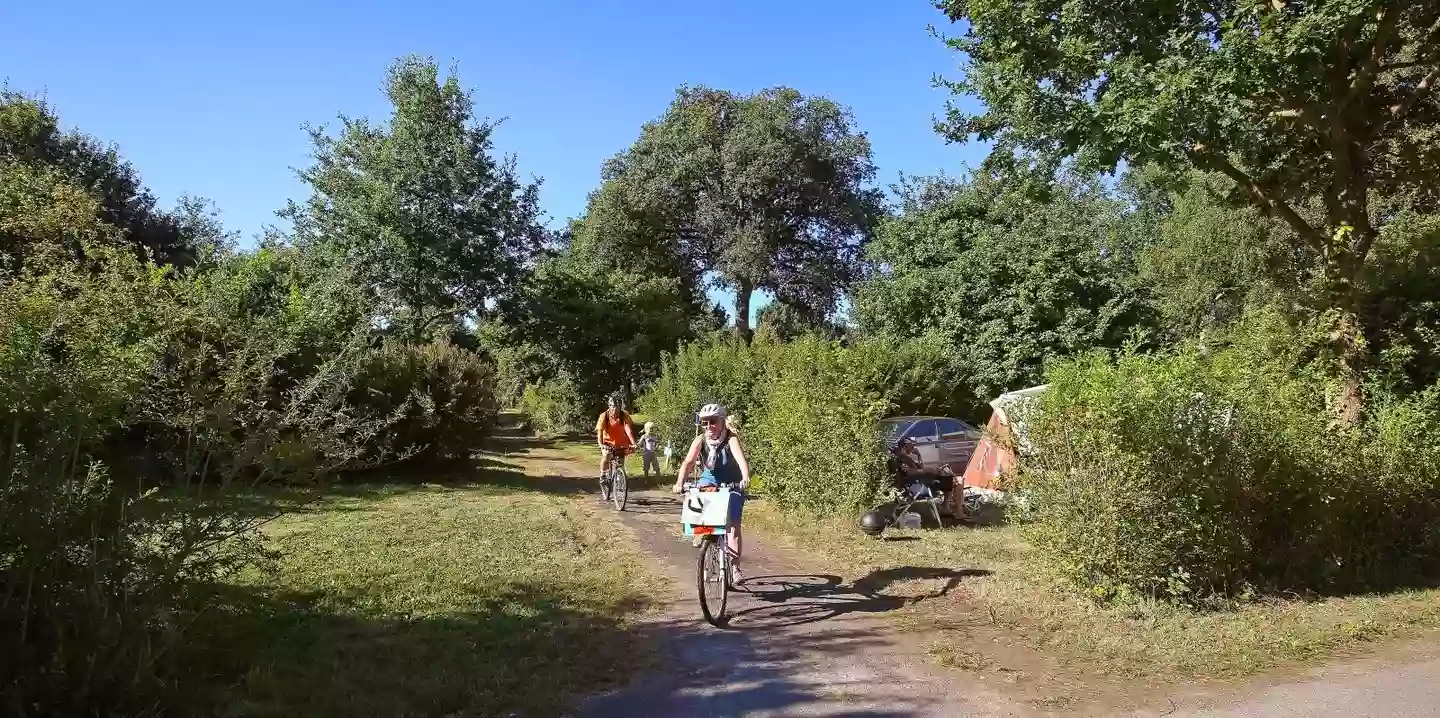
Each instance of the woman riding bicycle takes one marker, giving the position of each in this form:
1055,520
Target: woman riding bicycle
614,434
722,464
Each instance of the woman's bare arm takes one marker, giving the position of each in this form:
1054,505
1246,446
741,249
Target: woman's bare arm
685,466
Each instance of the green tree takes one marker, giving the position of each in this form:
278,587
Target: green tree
607,328
438,226
1314,110
1209,259
767,191
1402,301
786,322
1003,279
52,168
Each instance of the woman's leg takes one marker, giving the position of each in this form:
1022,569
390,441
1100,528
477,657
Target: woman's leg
732,532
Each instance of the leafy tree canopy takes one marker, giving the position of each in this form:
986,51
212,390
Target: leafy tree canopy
49,171
1323,114
767,191
1002,279
437,225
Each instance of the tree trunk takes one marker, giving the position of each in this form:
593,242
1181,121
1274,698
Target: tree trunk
1349,346
743,290
1351,244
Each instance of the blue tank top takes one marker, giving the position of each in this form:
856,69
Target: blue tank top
724,470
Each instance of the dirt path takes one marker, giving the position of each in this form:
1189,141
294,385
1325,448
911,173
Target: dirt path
1403,683
799,643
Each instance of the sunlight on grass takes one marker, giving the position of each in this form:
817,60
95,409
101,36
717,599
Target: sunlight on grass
1017,603
425,600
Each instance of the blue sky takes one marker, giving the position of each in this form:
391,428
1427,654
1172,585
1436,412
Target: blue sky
209,98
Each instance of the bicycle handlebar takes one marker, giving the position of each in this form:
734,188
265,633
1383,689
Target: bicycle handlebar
734,488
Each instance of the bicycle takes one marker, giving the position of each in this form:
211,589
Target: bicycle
713,572
614,487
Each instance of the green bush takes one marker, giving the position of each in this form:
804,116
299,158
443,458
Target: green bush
133,407
813,436
918,377
438,400
69,552
808,409
555,407
1202,474
721,370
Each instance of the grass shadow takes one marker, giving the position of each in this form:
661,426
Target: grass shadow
279,653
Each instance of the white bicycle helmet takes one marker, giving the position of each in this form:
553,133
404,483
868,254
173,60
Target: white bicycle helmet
712,411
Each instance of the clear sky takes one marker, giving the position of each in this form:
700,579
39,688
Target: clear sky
209,97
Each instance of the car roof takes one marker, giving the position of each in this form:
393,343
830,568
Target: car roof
913,419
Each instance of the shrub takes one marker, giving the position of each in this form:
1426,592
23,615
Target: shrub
917,376
555,407
720,370
814,432
76,624
810,406
438,400
260,357
1193,475
132,408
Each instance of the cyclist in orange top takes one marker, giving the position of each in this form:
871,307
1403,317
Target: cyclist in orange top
613,429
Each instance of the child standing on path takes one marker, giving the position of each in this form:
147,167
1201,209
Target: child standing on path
648,443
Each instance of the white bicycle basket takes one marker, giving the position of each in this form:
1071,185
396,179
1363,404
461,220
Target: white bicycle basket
709,510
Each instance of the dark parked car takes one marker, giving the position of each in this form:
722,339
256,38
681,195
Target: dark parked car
939,440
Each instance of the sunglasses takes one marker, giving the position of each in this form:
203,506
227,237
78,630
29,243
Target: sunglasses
709,422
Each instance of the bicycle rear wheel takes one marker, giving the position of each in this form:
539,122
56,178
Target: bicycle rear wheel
619,488
712,580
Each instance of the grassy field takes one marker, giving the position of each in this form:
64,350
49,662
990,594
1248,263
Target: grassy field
1011,618
493,598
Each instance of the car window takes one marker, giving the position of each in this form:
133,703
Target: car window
922,430
894,429
954,426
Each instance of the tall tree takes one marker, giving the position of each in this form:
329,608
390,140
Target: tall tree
439,227
767,191
1002,279
1312,109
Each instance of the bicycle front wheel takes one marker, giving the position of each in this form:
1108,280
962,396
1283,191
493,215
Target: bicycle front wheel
619,489
712,580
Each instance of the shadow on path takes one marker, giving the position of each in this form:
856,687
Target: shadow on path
727,673
797,600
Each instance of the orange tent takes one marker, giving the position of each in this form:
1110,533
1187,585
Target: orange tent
991,458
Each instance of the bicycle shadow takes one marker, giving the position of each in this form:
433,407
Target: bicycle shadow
666,505
795,600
